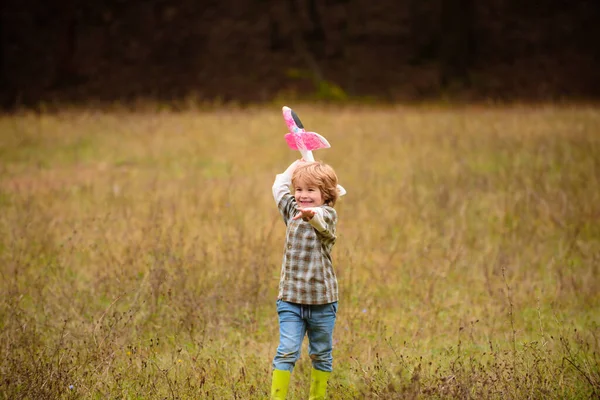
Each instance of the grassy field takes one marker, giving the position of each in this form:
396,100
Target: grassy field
140,252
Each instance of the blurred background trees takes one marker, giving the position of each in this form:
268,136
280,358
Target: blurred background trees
255,50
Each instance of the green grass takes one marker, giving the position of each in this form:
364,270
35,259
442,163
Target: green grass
140,252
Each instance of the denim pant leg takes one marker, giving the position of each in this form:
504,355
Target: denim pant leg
320,335
292,329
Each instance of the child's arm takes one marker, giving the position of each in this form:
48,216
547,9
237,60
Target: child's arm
282,183
321,219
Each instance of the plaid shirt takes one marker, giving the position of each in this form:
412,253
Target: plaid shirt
307,275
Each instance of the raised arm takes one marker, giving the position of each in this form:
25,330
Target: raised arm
282,183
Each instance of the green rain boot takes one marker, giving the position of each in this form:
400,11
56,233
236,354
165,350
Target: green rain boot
279,385
318,384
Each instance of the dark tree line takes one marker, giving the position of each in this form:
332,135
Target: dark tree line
244,50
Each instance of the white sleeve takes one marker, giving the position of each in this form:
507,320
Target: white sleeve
283,181
281,186
317,221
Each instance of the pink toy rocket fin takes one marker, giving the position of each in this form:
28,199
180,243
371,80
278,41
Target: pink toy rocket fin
311,140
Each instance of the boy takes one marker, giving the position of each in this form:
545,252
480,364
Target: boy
308,291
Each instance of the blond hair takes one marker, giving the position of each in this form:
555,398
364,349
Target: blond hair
322,176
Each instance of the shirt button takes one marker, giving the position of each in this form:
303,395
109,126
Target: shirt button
289,246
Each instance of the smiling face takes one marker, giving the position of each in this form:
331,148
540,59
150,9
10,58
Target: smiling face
315,184
308,194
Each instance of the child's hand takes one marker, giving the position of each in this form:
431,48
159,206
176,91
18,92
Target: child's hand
305,213
299,162
290,170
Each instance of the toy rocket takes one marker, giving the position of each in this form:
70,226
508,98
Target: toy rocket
305,142
299,138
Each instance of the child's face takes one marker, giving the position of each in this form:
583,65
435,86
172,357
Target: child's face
308,194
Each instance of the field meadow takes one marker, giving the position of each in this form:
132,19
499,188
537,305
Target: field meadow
140,252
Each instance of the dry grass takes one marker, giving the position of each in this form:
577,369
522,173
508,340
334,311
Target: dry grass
140,253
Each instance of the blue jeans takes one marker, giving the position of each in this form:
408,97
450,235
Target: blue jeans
297,320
